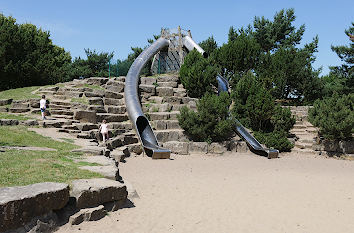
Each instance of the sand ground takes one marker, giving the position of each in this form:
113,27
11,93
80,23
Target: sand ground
234,193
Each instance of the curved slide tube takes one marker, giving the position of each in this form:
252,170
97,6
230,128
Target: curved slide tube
132,103
252,143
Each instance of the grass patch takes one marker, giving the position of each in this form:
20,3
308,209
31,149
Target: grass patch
18,167
96,87
4,115
19,93
69,140
82,100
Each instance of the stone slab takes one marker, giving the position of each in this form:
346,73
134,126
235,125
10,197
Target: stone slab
94,192
18,205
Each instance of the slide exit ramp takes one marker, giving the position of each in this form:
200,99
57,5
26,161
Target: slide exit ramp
252,143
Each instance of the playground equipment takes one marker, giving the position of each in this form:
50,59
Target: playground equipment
252,143
135,113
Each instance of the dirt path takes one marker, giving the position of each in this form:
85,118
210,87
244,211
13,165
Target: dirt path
234,193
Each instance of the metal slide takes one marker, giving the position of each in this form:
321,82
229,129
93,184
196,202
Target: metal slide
132,103
252,143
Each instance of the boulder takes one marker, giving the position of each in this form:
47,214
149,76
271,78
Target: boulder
5,102
18,205
347,147
85,116
115,86
4,109
94,192
177,147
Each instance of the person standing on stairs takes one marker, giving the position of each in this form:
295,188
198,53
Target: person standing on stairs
104,130
43,106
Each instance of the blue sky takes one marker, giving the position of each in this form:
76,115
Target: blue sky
109,25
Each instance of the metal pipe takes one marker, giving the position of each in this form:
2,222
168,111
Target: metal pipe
135,112
190,44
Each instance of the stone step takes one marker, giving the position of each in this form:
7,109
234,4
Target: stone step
19,110
180,92
299,126
167,84
165,124
303,145
62,112
111,117
151,89
127,125
170,135
163,115
62,117
60,107
115,102
60,103
61,97
167,78
96,108
115,109
70,127
113,95
166,107
164,91
85,126
116,86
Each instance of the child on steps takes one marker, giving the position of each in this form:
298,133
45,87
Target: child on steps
104,130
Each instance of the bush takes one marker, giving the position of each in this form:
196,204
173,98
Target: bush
197,75
275,139
255,108
334,116
211,122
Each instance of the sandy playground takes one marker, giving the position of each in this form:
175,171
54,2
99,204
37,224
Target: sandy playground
234,193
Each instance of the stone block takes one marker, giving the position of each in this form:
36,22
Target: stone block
95,101
19,110
115,86
167,78
135,148
4,109
111,117
169,135
177,147
167,84
20,105
116,109
88,214
116,102
113,95
147,89
216,148
85,116
94,192
156,100
5,102
18,205
96,108
109,172
331,146
159,124
198,147
96,81
115,142
347,146
90,94
29,123
172,100
164,91
147,80
8,122
159,116
179,92
85,126
172,124
242,147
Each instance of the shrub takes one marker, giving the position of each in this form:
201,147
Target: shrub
275,139
334,116
255,108
197,74
211,122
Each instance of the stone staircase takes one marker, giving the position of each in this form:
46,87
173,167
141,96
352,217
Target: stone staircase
305,133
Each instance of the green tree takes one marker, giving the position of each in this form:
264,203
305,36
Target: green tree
209,45
28,56
197,74
346,54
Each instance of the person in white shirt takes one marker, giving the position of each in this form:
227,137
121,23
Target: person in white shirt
43,105
104,130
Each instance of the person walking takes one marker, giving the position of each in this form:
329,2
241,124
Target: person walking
43,106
